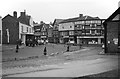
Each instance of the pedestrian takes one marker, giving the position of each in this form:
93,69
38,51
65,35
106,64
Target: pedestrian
17,47
45,51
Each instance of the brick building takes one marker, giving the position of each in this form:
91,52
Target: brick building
16,28
82,29
112,33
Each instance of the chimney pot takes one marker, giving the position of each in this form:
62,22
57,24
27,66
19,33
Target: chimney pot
22,13
80,15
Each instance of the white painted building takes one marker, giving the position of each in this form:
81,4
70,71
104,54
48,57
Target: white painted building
25,29
66,26
66,32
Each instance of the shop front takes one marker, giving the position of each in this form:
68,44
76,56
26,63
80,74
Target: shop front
89,39
25,37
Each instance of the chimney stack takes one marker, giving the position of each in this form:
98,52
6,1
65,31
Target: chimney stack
15,14
23,13
80,15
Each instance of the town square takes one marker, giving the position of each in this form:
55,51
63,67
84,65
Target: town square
85,45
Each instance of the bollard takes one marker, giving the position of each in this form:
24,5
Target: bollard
45,51
17,47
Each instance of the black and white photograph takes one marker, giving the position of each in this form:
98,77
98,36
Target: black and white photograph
63,39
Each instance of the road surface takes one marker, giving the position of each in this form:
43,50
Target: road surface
70,69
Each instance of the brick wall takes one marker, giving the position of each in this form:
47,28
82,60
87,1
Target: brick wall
13,26
112,32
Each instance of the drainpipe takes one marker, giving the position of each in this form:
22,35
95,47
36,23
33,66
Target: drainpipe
105,36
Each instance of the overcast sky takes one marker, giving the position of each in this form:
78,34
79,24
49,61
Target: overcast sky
48,10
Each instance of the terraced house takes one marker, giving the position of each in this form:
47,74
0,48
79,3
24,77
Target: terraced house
82,29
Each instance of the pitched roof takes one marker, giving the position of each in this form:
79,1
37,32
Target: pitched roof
113,15
38,26
79,18
24,19
12,17
57,21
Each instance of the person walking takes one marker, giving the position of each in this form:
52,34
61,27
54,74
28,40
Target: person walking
45,51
